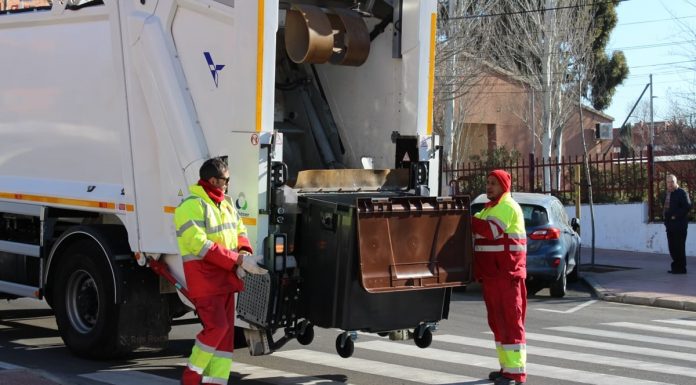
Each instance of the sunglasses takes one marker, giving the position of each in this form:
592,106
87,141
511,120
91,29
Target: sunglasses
227,180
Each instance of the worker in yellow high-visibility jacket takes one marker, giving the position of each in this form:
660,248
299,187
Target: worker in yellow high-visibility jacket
216,251
500,265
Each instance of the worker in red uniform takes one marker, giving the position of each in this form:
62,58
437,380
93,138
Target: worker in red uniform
216,251
500,265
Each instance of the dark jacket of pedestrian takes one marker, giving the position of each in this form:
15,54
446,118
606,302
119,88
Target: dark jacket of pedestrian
677,214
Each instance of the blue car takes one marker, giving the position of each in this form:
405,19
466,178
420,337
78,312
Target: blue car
553,244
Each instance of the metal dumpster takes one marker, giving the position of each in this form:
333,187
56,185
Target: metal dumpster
379,263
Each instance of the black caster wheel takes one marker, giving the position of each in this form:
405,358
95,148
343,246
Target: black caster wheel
344,345
383,334
423,336
307,336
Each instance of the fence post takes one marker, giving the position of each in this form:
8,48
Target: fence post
651,184
577,193
531,172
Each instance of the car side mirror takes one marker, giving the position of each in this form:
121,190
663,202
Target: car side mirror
575,224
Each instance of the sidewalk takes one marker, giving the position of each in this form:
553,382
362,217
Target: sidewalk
639,278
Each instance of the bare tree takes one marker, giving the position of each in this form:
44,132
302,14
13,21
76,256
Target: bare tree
462,35
543,44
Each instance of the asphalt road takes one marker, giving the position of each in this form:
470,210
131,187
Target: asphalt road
572,340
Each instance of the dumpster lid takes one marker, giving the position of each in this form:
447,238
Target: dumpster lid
411,243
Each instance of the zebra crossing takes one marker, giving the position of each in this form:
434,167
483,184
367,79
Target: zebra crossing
661,351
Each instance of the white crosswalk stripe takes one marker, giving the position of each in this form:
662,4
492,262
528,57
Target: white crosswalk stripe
598,351
653,328
423,376
247,372
131,377
611,346
681,322
577,356
562,374
279,377
625,336
8,366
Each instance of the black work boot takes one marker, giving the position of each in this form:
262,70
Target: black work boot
502,380
495,375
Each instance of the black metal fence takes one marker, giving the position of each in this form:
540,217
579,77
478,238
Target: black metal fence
640,178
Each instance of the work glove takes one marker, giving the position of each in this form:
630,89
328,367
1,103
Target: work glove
251,264
240,272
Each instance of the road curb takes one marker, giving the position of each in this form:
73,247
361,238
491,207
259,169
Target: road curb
676,303
597,289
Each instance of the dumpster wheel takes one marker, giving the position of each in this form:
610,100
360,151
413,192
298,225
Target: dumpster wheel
423,336
305,333
344,344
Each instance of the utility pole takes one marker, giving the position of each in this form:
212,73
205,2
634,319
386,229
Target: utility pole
651,155
652,120
449,105
533,123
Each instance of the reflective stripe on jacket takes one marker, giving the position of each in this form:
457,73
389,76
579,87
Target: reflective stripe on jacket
209,239
500,244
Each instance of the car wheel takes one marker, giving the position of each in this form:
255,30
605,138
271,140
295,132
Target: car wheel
573,275
558,288
533,287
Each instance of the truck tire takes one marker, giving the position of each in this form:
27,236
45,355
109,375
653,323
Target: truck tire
84,302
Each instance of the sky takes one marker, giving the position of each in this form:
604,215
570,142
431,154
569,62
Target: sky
651,33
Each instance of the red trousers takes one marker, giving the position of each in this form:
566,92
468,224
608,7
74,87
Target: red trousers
211,357
506,303
217,316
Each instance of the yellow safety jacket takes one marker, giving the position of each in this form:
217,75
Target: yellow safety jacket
209,238
500,241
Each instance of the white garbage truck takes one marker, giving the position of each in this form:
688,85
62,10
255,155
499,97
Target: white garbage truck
323,110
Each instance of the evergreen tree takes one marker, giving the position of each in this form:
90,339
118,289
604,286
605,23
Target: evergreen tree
607,72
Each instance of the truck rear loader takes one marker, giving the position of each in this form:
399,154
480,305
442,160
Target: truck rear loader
323,110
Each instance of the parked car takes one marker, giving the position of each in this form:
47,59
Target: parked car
553,244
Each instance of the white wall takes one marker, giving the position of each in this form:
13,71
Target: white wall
625,227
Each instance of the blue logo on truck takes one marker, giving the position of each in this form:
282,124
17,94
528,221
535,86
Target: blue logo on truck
214,68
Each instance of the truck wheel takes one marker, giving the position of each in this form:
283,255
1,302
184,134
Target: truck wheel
425,339
344,346
84,302
558,288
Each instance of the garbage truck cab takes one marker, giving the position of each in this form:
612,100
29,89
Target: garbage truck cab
109,108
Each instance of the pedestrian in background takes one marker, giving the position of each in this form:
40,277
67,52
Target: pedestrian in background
676,214
500,265
216,251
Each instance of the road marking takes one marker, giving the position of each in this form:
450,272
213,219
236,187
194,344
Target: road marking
625,336
279,377
131,377
423,376
562,374
573,310
245,371
652,328
577,356
611,346
8,366
682,322
39,343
